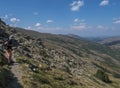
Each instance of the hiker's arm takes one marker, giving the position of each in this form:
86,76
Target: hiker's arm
6,43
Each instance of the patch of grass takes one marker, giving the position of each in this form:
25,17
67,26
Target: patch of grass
116,75
94,79
101,67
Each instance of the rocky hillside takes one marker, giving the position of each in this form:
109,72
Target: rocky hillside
62,61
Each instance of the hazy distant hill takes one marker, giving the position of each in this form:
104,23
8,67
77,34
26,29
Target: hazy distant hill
63,61
113,42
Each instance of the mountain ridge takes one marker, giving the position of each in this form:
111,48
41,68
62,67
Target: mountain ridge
62,61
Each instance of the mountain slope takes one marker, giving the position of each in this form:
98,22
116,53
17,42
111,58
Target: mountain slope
63,61
113,42
76,45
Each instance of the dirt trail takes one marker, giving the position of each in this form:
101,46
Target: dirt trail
16,83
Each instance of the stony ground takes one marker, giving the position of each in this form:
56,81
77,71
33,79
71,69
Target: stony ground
16,83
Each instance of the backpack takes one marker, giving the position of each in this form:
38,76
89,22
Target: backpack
11,41
4,46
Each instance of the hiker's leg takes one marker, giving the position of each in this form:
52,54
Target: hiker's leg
9,55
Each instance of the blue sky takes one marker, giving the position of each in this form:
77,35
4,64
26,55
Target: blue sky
81,17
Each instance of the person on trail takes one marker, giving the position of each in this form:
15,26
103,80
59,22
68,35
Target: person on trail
8,46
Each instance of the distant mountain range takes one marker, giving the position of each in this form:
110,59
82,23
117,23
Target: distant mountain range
113,42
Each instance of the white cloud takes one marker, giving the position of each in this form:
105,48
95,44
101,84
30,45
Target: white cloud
37,25
5,17
45,29
79,27
116,20
104,3
84,26
36,13
49,21
75,6
29,27
102,27
90,27
14,20
79,24
78,20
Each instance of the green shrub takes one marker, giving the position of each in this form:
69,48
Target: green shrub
41,78
43,53
102,76
3,59
116,75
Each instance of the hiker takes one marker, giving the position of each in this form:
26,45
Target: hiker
8,47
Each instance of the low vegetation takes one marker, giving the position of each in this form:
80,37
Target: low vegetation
103,76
